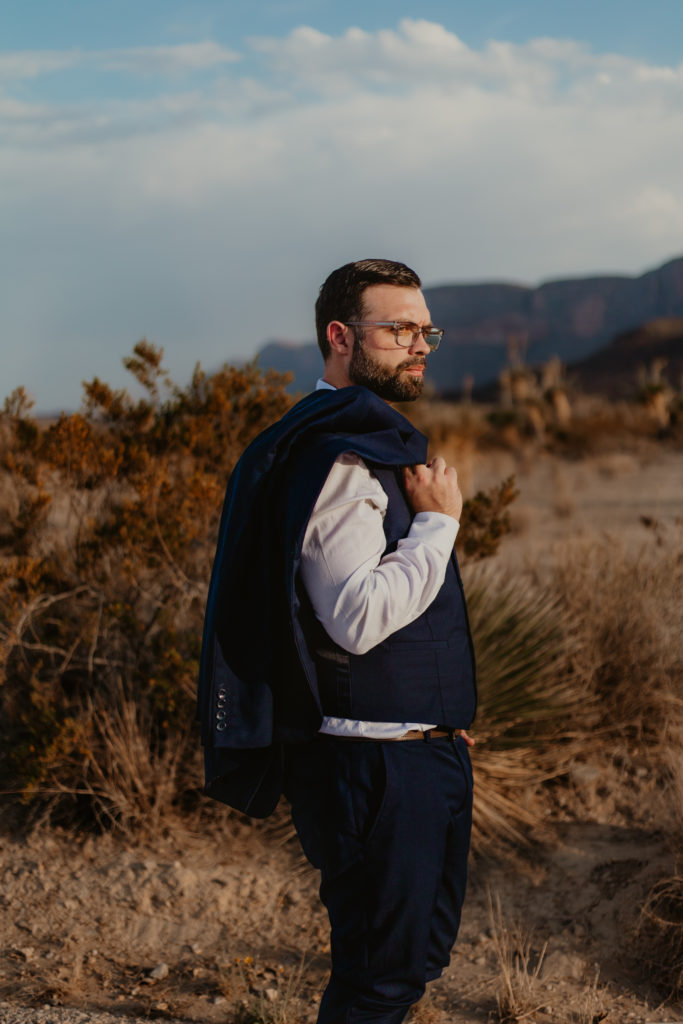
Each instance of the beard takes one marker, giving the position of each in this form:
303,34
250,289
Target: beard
387,384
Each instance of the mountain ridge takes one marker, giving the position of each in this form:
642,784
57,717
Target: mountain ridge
571,318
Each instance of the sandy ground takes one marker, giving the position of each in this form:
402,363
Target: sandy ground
606,495
188,928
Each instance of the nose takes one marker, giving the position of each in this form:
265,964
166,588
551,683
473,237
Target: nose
420,347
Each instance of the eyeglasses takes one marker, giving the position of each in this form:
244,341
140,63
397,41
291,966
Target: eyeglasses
406,334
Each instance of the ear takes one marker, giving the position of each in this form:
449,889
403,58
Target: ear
340,337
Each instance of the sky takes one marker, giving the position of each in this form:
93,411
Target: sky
191,170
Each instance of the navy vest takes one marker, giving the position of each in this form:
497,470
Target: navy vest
423,672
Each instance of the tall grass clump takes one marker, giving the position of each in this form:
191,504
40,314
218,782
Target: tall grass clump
519,996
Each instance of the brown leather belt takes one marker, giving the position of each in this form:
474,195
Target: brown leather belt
413,734
428,734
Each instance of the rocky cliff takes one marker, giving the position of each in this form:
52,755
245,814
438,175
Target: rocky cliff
571,319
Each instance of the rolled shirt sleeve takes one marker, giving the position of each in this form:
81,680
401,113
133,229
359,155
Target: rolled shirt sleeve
360,595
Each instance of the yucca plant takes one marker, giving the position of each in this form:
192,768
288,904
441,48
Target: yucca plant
528,695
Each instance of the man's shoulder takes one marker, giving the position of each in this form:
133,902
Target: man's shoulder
325,423
353,410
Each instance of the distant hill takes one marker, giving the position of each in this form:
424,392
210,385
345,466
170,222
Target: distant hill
302,359
571,319
614,370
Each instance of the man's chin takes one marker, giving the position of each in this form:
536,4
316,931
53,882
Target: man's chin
406,390
411,384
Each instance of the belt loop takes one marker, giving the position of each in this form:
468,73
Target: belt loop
427,735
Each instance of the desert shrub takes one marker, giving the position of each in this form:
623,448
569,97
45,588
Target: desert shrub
599,425
105,555
485,520
528,697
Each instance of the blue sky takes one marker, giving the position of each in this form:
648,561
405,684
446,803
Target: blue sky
192,171
629,27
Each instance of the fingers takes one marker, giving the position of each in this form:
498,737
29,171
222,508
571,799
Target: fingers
437,466
433,488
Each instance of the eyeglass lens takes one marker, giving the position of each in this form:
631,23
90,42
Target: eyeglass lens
408,335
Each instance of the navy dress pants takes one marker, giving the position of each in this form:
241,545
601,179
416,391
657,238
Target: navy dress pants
388,825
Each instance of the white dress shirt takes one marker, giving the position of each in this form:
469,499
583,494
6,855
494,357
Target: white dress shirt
359,596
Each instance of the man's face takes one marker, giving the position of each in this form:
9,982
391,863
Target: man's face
394,373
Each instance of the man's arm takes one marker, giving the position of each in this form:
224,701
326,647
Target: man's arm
359,596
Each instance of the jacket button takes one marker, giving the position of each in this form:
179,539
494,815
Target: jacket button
221,726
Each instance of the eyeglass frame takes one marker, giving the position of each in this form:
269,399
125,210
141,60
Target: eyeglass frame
397,325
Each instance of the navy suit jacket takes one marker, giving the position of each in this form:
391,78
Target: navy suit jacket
256,667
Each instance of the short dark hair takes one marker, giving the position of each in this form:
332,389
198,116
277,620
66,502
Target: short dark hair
341,296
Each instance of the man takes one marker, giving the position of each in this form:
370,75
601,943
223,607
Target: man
353,689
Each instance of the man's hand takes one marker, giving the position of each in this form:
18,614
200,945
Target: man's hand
433,488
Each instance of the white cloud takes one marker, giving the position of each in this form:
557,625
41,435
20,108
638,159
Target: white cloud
165,60
20,111
206,218
34,63
139,60
419,53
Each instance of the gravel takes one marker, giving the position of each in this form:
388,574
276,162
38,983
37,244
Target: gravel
11,1014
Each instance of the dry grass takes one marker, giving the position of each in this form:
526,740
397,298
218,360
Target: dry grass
60,984
563,504
133,786
660,934
521,993
263,995
519,966
628,607
581,660
593,1004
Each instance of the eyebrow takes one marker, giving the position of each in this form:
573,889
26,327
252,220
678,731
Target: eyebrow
414,322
